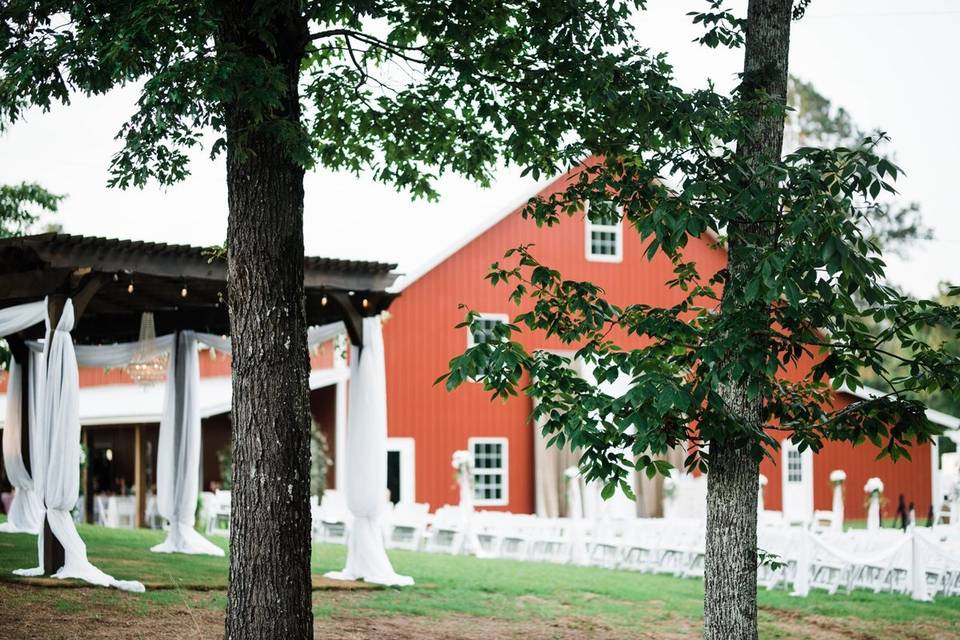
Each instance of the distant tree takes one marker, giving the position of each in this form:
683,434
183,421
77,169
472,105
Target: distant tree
20,206
814,121
803,278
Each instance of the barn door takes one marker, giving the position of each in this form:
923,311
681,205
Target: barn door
797,470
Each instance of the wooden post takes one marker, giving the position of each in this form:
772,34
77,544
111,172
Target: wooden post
87,478
140,476
53,554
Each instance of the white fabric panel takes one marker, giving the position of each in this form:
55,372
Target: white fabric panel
320,334
315,335
60,484
26,512
367,463
178,453
120,355
26,509
18,318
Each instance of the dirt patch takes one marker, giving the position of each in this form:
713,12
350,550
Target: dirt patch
28,612
816,627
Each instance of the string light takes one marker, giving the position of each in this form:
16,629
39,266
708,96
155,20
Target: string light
366,303
323,300
183,291
130,287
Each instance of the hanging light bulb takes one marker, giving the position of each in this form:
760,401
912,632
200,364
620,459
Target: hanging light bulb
130,287
183,291
366,303
323,300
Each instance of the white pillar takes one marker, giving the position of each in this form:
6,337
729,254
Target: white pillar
574,496
836,478
874,489
761,485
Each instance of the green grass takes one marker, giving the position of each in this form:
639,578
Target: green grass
502,589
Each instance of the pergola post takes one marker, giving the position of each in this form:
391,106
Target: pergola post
53,553
139,476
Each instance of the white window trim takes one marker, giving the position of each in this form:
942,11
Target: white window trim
589,226
502,317
408,477
504,471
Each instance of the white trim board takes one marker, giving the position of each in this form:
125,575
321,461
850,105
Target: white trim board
945,420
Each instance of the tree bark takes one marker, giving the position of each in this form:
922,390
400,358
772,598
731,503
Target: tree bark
269,594
730,586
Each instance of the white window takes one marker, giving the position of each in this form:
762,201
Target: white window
794,466
604,232
481,331
489,471
482,328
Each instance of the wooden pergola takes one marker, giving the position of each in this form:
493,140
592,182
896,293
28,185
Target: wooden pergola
113,282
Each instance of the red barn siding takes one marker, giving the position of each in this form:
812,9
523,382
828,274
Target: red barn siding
421,339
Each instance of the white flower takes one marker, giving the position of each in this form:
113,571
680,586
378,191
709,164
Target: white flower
461,457
838,475
571,472
763,480
873,485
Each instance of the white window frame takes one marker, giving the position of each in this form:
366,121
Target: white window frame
406,447
589,227
504,471
500,317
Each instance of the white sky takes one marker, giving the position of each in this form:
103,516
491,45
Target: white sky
891,63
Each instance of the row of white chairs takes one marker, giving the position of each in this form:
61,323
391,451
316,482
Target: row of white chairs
880,561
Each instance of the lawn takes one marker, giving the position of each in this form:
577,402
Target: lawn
455,597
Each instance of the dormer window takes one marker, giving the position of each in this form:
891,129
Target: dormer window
604,232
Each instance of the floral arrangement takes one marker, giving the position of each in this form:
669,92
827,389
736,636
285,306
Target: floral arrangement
874,485
839,475
461,458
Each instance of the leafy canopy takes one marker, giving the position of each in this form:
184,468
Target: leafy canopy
791,328
403,89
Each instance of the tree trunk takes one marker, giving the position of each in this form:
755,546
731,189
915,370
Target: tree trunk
730,586
269,594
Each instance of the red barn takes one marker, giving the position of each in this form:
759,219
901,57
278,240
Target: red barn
427,424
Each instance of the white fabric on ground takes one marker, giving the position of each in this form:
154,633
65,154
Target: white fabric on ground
26,510
59,457
366,463
178,453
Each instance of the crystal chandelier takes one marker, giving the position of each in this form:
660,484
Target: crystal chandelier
147,367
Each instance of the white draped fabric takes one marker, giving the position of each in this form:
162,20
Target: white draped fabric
178,450
59,458
178,453
26,510
366,463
